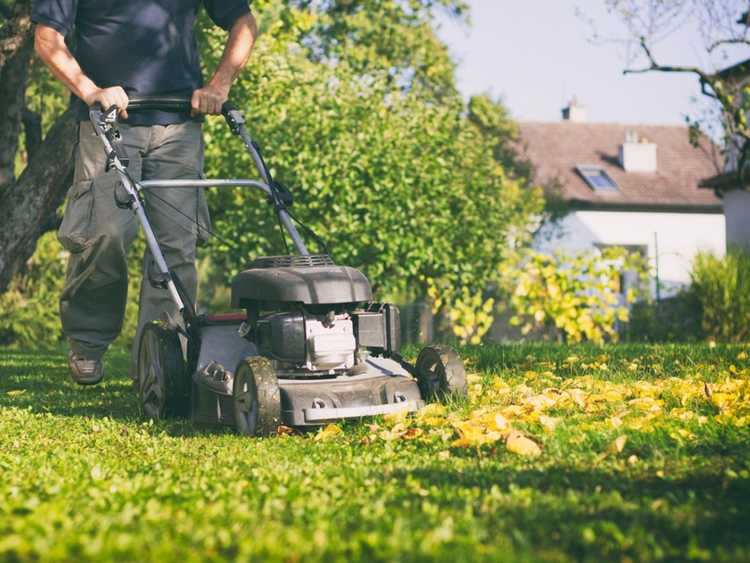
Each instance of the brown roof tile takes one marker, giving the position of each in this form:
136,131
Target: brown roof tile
555,149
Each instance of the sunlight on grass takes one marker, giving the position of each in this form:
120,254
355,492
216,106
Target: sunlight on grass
636,452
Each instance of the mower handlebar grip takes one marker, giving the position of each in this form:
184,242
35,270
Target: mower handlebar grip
157,103
168,103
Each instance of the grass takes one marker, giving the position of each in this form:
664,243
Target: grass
82,477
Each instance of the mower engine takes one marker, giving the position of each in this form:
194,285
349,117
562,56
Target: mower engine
315,343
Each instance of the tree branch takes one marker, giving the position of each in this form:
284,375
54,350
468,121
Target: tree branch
32,127
733,41
656,67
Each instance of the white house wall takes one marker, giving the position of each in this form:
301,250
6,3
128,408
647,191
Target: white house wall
737,214
680,236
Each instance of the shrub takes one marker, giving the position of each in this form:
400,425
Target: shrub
722,287
674,319
29,310
579,297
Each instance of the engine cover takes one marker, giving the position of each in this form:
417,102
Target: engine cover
309,285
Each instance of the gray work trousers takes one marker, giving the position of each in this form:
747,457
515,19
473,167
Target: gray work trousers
98,233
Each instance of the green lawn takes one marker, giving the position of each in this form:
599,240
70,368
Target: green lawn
644,456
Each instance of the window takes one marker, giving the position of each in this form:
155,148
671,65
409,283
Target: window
597,178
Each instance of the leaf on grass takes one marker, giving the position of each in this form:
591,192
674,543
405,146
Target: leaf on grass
500,423
432,415
578,396
519,444
396,417
473,434
282,430
398,431
618,445
328,433
412,433
549,422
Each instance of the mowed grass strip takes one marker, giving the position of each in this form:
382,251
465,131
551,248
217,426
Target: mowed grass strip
639,452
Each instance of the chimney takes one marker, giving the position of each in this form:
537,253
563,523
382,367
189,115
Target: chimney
637,154
575,112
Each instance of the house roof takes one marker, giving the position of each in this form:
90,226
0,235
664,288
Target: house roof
556,149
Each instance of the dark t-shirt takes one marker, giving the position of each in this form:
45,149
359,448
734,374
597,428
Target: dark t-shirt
146,46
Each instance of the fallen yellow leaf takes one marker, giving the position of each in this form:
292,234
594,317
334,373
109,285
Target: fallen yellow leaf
328,433
618,445
519,444
548,422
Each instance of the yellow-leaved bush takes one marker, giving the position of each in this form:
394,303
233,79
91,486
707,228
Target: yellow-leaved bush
575,297
469,314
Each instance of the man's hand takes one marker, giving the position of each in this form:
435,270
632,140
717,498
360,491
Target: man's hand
108,97
211,97
208,100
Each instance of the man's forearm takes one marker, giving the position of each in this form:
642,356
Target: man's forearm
210,98
51,47
236,53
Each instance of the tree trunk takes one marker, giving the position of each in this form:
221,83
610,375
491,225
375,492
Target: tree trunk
28,206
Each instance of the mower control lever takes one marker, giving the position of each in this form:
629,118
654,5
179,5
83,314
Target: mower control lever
233,116
105,122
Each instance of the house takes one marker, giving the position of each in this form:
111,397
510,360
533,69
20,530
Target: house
734,193
635,186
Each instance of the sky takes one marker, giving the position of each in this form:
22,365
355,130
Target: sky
537,54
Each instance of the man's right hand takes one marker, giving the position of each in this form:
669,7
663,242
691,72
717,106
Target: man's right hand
108,97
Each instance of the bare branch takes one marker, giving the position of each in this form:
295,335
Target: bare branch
656,67
733,41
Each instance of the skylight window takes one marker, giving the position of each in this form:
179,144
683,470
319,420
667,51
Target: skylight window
597,178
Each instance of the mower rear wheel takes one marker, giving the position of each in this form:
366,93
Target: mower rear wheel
256,397
163,386
440,373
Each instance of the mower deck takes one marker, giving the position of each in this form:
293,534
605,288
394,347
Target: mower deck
385,387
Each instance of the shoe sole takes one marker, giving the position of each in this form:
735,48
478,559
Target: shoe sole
86,382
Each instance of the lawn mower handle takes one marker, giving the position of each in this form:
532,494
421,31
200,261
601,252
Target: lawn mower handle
278,196
171,103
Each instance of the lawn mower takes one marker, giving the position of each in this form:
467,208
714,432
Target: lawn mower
306,344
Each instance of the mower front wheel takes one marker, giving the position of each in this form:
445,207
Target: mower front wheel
163,386
256,397
440,374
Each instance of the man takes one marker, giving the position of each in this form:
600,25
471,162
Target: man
121,49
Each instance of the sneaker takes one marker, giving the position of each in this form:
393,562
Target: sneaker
83,371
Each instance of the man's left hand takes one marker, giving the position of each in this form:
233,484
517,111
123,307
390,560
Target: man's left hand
208,100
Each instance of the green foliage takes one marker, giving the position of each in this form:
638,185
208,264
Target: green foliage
674,319
356,107
30,306
577,297
84,479
406,189
392,36
722,287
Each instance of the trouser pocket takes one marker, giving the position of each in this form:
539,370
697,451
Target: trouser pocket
78,228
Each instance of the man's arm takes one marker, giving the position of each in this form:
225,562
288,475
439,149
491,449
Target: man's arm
212,96
51,47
